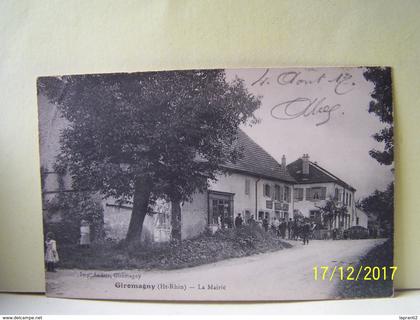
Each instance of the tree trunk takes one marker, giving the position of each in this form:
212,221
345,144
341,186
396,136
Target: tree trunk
142,190
176,220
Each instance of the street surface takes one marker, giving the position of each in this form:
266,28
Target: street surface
283,275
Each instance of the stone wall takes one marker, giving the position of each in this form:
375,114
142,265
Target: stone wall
194,216
117,219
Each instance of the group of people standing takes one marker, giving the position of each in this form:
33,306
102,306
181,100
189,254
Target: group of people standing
286,229
239,221
281,227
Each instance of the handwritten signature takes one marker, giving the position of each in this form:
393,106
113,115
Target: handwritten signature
292,109
343,84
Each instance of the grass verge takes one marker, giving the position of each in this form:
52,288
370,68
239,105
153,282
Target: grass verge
379,256
204,249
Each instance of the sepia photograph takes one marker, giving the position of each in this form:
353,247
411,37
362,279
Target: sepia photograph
260,184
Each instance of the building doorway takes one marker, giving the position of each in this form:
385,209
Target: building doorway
221,209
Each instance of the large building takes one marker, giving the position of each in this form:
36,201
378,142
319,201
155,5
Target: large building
258,186
255,186
315,186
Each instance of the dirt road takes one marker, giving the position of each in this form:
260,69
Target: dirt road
283,275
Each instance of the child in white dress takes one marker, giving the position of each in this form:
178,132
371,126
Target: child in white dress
51,254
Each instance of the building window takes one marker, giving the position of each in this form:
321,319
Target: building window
315,215
340,195
277,192
267,190
350,199
298,194
316,193
287,194
357,221
247,186
336,194
269,204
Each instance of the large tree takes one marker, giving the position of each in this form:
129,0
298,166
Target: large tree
381,106
142,136
381,203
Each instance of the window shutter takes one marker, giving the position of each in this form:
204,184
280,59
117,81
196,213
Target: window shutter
339,197
277,192
323,193
289,195
308,194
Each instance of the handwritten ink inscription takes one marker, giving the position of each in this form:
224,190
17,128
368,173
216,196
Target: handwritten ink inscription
341,84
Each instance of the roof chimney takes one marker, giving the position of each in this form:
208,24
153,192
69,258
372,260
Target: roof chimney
305,164
283,162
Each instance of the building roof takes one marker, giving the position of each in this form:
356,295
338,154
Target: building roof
256,161
360,212
316,174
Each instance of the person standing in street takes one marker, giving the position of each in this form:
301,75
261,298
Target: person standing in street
51,253
289,229
306,229
276,225
238,221
265,223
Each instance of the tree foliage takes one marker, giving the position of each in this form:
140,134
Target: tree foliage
73,208
332,211
144,136
380,204
381,106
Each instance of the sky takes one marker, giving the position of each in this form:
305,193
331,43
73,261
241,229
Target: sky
322,112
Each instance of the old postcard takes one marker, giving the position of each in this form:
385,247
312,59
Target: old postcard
226,185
